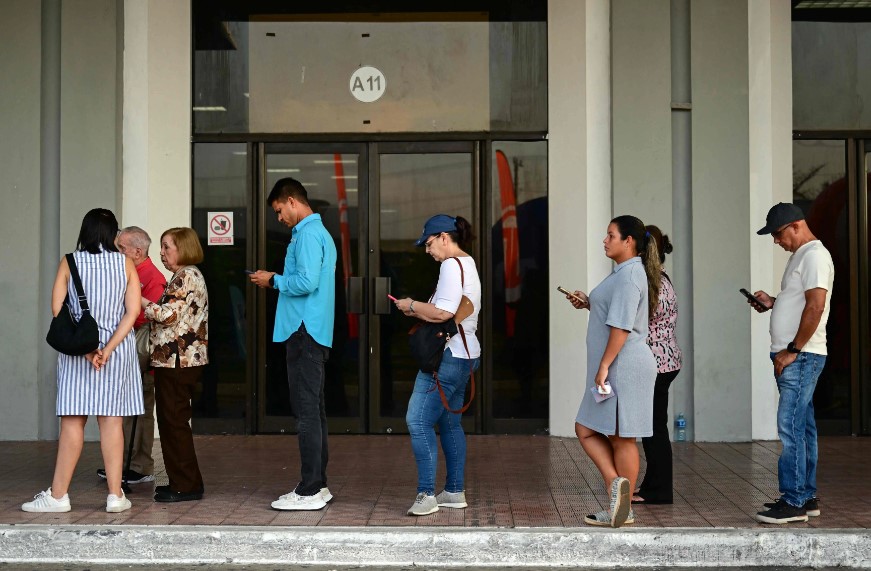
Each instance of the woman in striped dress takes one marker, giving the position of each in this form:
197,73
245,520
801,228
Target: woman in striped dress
107,382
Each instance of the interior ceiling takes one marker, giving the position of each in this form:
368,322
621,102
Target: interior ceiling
831,10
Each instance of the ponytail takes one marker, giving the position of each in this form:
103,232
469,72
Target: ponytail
646,246
463,234
653,269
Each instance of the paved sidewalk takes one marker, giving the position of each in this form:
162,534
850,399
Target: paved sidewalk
511,481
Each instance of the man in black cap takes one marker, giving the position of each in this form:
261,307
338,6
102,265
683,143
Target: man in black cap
798,351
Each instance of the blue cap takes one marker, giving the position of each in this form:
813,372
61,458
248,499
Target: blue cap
436,225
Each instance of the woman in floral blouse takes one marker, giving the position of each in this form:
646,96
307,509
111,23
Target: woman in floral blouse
179,341
657,485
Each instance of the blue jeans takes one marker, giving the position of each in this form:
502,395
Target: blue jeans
797,428
305,377
425,410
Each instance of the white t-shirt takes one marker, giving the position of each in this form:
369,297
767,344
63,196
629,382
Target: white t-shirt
808,268
447,297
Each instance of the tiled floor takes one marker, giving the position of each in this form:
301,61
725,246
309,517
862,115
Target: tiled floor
511,481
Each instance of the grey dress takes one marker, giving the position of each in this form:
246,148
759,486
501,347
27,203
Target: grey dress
620,301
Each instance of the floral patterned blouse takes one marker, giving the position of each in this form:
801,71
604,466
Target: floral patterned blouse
661,337
180,321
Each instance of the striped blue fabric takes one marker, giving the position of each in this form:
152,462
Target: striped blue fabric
116,389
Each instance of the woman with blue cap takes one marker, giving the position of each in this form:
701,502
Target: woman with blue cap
443,237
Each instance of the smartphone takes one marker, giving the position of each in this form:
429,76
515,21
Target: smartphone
249,272
568,293
391,297
752,298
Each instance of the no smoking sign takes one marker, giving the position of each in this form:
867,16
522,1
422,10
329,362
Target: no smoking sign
220,229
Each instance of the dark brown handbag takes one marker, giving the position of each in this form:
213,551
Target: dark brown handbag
427,341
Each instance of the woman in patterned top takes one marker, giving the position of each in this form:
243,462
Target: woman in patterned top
179,340
657,485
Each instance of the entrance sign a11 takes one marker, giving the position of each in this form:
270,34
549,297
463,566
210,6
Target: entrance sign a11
367,84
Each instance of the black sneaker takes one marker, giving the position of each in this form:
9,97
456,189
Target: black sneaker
132,476
812,506
781,513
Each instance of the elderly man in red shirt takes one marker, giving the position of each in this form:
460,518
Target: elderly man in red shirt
133,242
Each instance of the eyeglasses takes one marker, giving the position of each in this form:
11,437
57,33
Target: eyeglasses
780,230
431,240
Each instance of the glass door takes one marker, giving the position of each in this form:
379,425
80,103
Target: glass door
863,348
334,177
414,181
831,184
370,373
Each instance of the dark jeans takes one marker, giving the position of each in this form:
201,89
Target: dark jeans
305,377
173,389
657,484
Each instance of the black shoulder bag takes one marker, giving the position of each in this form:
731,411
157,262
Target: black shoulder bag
427,341
67,336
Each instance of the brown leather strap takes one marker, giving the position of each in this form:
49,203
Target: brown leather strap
435,375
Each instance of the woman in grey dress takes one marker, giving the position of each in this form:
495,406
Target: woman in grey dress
619,360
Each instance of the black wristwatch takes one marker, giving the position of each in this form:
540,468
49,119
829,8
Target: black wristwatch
272,281
791,348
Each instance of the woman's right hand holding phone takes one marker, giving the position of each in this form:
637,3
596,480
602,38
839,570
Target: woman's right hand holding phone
579,300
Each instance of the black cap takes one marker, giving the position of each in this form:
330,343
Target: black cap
780,214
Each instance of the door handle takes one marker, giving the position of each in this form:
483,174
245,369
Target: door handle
382,302
355,296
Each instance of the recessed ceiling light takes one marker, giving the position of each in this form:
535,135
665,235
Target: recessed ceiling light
212,108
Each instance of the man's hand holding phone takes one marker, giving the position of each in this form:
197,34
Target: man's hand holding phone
760,301
577,298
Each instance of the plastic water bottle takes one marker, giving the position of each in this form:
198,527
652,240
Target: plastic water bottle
680,428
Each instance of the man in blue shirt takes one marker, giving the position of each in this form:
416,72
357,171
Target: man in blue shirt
304,322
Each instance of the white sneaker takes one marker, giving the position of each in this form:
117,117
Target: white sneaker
294,501
44,502
448,499
115,505
424,504
326,495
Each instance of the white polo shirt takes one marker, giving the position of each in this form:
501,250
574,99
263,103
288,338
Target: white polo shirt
448,294
808,268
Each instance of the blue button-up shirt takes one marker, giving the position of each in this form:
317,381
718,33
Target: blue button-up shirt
307,287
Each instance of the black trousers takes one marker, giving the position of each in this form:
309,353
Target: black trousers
173,389
305,376
657,484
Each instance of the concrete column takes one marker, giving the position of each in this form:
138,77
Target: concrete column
579,174
50,204
721,220
641,108
23,303
682,208
770,99
157,118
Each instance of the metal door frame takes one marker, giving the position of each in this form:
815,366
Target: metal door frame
856,145
285,424
378,424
